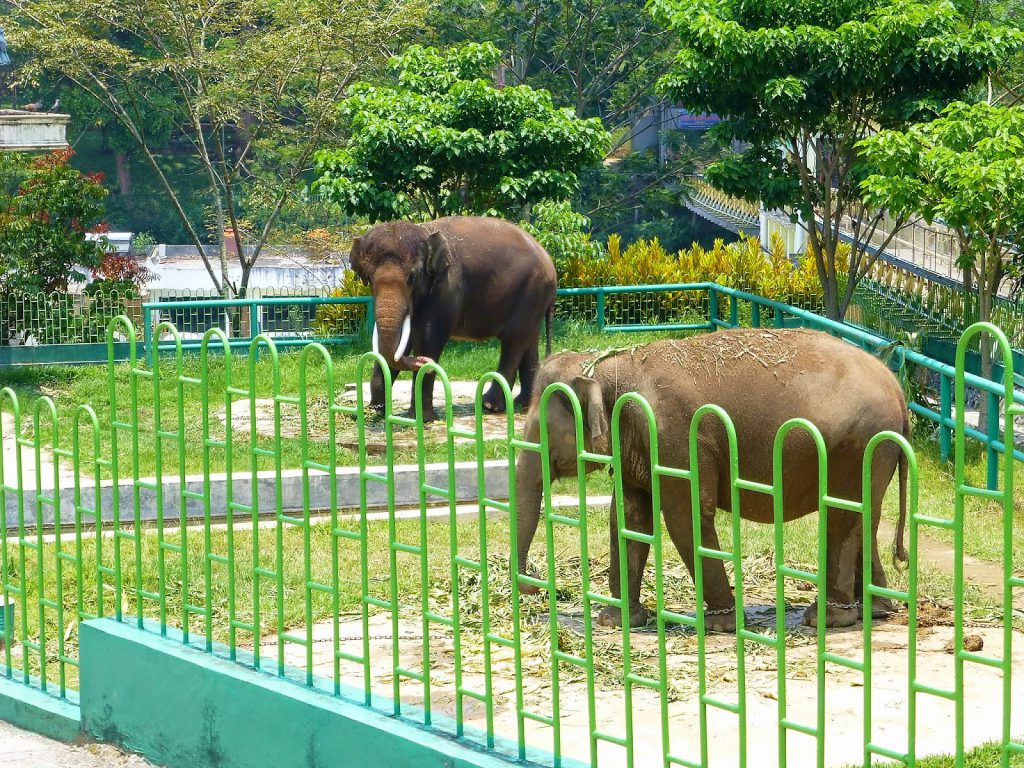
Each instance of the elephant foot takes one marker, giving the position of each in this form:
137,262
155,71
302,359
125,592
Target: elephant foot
612,617
522,402
721,620
429,415
493,406
529,589
880,608
836,615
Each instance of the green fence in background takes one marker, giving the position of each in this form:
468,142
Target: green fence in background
421,616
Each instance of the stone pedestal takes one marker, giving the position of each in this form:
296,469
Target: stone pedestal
23,131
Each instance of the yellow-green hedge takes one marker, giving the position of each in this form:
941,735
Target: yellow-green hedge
342,319
742,265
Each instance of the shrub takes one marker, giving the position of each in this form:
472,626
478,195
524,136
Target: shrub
119,273
742,265
563,233
342,319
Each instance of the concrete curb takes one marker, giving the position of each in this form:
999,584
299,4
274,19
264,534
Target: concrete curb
180,707
29,708
406,493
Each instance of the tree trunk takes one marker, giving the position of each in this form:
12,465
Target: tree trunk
989,277
124,179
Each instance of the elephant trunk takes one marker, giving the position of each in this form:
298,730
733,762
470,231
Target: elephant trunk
529,497
392,328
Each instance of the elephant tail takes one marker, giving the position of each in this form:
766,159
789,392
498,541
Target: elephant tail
899,551
548,317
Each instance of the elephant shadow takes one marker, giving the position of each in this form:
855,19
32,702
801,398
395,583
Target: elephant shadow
759,617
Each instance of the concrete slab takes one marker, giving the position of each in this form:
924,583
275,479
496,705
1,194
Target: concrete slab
23,749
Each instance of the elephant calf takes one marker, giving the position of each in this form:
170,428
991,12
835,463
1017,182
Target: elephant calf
762,378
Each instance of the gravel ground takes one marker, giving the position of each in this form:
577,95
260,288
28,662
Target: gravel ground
22,749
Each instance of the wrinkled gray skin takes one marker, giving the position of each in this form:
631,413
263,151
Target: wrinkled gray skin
782,374
462,277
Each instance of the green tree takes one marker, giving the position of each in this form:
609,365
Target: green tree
967,169
265,74
599,57
44,222
444,140
801,83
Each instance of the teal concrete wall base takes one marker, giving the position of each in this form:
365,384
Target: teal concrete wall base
178,706
33,710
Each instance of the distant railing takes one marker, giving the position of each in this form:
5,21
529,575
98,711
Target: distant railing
290,321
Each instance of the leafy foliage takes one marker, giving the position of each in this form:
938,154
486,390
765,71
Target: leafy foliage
967,168
801,83
44,223
563,233
334,320
250,85
741,265
443,140
119,273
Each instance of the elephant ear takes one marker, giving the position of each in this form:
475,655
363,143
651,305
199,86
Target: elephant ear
437,255
355,260
595,420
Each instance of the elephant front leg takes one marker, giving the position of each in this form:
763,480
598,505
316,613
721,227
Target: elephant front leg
720,614
638,518
377,386
431,342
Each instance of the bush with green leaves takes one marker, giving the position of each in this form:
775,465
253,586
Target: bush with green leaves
563,232
443,140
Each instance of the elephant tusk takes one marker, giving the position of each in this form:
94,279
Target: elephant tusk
376,341
406,329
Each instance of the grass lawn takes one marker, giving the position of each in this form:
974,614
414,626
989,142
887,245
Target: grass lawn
986,756
71,387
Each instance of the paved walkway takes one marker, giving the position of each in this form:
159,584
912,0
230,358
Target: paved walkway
22,749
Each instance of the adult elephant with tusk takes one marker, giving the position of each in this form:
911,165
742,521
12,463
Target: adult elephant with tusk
461,277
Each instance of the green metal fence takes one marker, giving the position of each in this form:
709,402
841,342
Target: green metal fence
623,309
421,617
288,320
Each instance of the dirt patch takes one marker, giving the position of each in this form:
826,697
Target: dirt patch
708,353
844,688
318,419
983,574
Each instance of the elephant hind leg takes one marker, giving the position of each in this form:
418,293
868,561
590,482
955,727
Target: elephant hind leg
508,364
843,552
527,375
880,606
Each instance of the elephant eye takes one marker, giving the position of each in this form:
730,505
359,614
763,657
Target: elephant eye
411,279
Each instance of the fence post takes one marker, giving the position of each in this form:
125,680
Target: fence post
755,315
993,435
734,312
600,309
780,319
712,309
945,417
147,335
